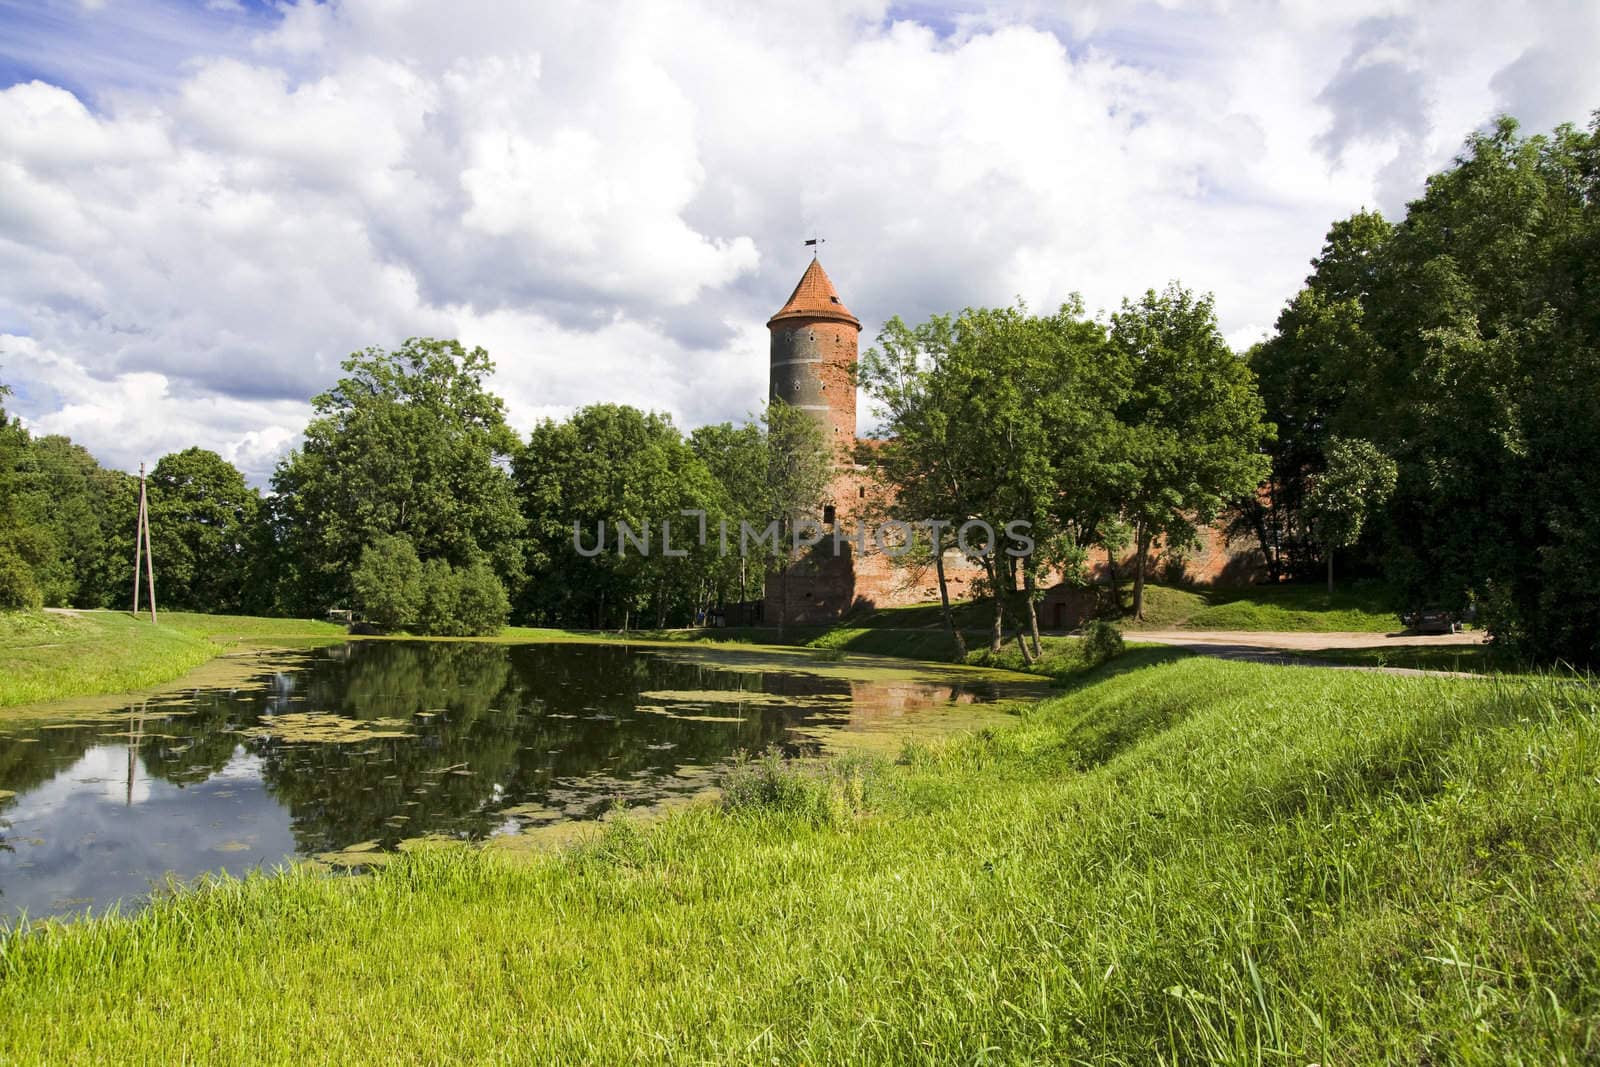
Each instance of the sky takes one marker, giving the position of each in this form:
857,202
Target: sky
206,205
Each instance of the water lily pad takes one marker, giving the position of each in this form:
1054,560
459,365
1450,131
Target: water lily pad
311,727
689,716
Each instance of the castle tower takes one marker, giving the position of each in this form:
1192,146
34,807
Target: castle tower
814,339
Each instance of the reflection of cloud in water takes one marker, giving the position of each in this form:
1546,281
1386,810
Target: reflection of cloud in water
76,838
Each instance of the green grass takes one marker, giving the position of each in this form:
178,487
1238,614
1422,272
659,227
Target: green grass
48,656
1362,608
1471,659
1179,860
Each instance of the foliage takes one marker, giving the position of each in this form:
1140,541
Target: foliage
205,527
1000,416
18,590
387,583
1100,641
408,443
86,513
397,591
482,605
1192,420
1460,342
1356,480
605,466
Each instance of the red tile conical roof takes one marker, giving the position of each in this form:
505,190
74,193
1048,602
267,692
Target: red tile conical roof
815,298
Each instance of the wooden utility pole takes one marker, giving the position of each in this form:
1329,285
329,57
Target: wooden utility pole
143,558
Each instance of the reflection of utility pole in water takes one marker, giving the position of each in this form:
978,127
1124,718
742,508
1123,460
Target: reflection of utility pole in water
135,736
141,550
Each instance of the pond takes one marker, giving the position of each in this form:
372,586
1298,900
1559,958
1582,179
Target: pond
344,754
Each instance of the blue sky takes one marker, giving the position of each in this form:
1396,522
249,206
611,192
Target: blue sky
205,206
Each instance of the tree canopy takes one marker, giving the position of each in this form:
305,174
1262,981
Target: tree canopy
409,443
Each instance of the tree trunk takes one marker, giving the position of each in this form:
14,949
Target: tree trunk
944,602
1027,657
1033,610
1330,572
1141,542
997,635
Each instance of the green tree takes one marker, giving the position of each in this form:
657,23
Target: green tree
409,442
88,513
1308,374
800,464
387,583
1192,421
23,551
999,416
736,456
1356,481
585,479
204,522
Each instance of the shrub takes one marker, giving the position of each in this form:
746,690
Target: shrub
388,583
18,590
481,601
441,599
1100,642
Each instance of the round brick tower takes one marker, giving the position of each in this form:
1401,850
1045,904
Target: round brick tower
814,340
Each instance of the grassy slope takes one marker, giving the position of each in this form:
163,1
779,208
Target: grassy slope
1193,860
50,656
1300,608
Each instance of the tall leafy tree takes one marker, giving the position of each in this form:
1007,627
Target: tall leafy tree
800,464
608,466
1002,416
21,551
204,532
1192,421
410,443
1355,482
736,456
1322,350
87,512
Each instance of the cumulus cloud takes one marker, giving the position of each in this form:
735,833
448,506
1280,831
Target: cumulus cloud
611,198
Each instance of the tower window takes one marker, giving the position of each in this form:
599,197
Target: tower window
828,514
861,492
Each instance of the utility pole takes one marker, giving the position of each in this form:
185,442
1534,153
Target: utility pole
143,558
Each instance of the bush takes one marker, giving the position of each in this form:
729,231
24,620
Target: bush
1100,642
441,597
481,601
18,590
388,583
397,591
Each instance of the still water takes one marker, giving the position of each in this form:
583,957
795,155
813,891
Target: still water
355,750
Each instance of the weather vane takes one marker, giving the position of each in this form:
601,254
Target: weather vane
813,242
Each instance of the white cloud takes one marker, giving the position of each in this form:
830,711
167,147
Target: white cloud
611,198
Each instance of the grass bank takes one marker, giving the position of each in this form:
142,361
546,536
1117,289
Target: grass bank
1356,608
1177,861
52,655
